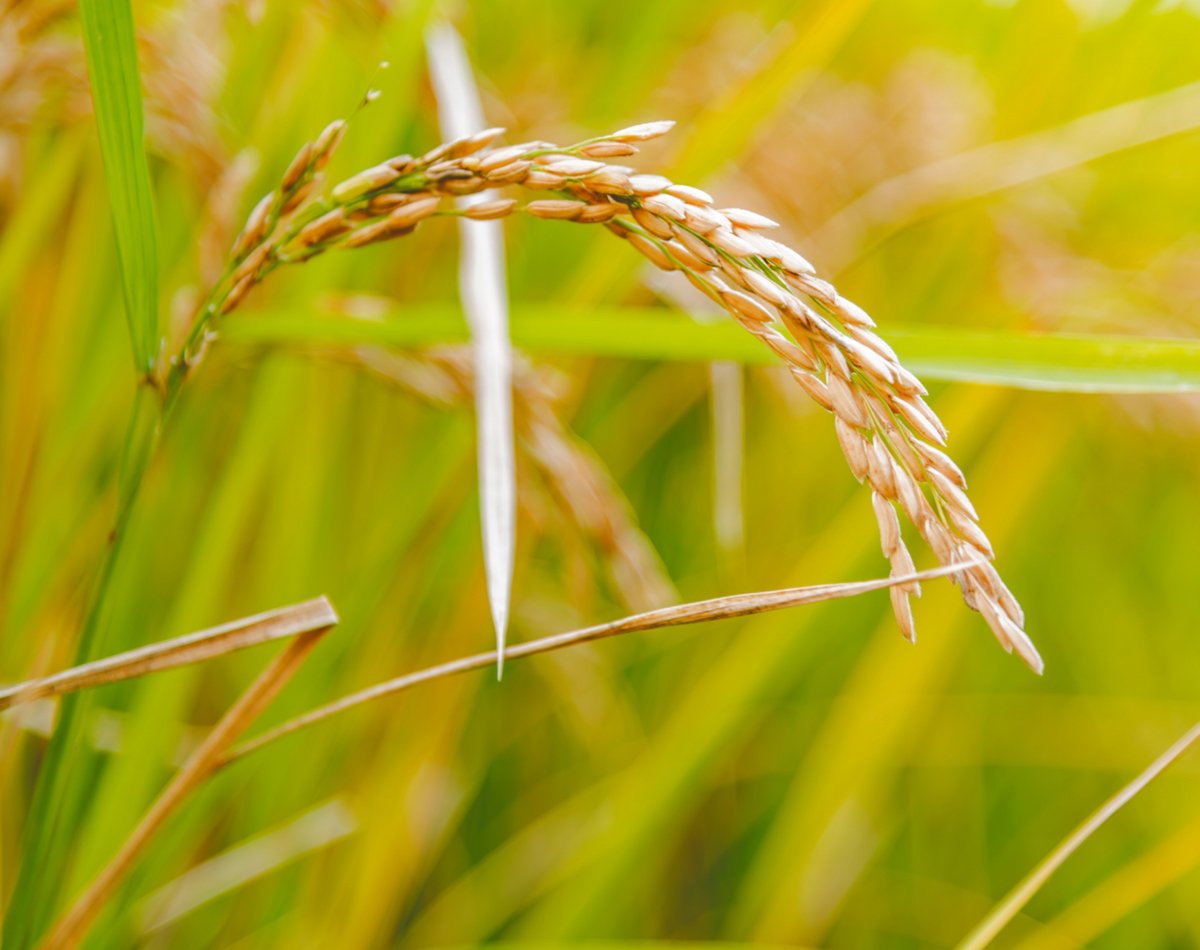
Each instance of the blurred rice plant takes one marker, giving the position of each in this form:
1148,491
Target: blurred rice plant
802,778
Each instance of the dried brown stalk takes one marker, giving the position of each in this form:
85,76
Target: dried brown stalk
890,436
701,611
168,654
70,929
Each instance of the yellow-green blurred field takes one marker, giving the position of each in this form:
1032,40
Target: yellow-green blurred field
801,778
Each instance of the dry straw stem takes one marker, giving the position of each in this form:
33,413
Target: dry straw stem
701,611
168,654
1000,916
70,929
890,436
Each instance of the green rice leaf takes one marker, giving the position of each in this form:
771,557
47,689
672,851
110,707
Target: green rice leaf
117,95
1054,362
1048,361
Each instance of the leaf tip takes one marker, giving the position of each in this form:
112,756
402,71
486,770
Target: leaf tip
500,622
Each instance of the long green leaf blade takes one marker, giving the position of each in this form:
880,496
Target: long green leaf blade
111,46
1050,362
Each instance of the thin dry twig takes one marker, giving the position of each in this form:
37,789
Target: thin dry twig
70,929
717,608
1003,913
168,654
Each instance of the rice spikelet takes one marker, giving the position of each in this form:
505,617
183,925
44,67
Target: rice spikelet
891,438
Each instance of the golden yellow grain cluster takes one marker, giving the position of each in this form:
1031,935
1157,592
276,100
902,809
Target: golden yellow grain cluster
890,436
